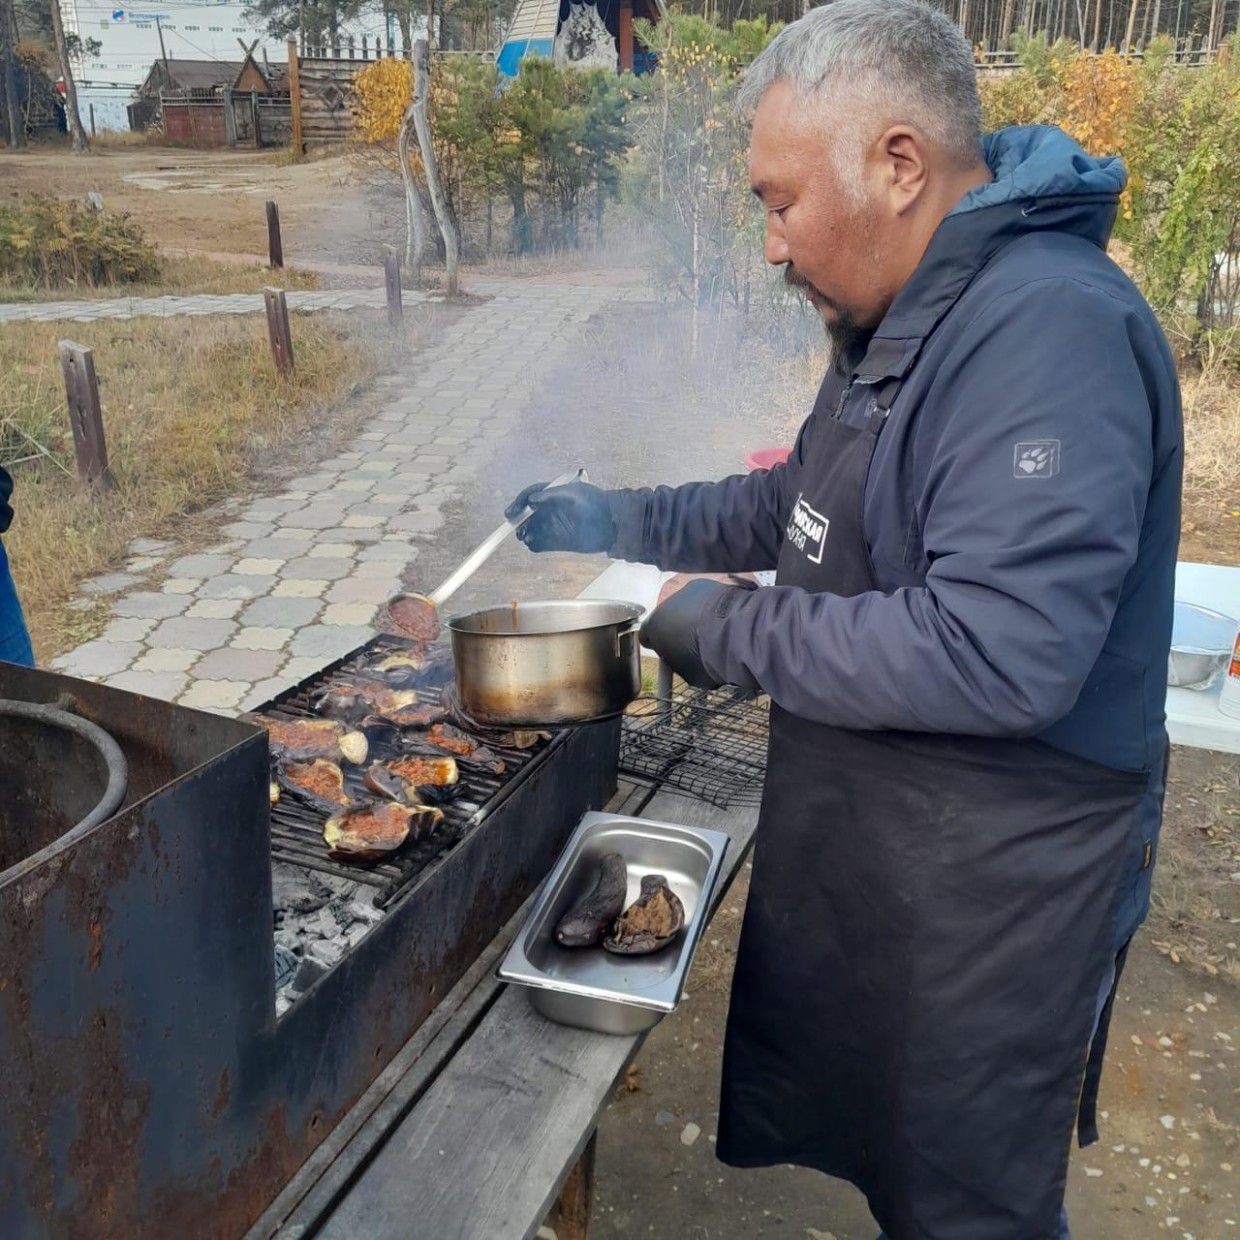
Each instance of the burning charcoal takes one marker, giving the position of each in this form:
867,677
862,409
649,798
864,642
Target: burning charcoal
297,892
286,966
326,952
283,1003
365,912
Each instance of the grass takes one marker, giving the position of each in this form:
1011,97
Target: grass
192,413
180,276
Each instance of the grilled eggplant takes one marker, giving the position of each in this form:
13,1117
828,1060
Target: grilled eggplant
593,916
422,770
300,740
651,922
318,780
382,782
368,830
452,740
373,699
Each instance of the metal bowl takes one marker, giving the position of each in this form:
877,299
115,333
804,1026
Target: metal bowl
1201,644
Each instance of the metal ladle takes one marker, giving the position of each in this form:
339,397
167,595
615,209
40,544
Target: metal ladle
425,619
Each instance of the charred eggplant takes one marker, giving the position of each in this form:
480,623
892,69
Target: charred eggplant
593,916
651,922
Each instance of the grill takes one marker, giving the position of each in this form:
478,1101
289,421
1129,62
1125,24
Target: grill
297,829
711,743
155,1081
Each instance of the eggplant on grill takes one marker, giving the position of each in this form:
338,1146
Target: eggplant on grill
300,740
369,830
355,700
419,770
318,781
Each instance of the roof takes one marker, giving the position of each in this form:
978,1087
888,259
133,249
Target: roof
191,74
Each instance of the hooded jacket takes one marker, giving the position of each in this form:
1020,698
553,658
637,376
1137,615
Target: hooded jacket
1022,509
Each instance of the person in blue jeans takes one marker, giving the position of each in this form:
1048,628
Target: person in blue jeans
14,637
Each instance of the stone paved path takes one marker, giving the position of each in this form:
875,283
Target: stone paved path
296,580
195,304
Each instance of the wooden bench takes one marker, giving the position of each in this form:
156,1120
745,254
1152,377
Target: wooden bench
482,1127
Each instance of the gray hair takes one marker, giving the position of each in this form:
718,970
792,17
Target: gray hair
895,61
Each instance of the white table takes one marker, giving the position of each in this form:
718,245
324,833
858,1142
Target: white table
1193,716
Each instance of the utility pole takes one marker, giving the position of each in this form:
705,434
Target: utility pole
163,52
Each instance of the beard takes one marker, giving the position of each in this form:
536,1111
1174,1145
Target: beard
846,335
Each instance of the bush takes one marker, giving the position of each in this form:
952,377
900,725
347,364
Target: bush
49,244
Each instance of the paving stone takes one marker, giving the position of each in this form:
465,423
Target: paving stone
185,634
355,522
262,637
164,685
200,565
371,590
328,641
233,664
144,563
390,498
301,666
128,629
278,505
386,553
83,604
215,608
348,613
280,612
231,547
110,583
276,547
298,533
377,467
218,695
354,484
326,550
425,522
257,567
247,529
360,537
262,692
95,659
318,518
328,568
150,606
148,546
169,659
300,588
180,585
231,585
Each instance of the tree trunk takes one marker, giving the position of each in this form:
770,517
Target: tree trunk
415,227
12,110
421,121
1132,24
72,117
1097,26
404,20
1005,28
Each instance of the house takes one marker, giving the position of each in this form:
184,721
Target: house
590,34
196,78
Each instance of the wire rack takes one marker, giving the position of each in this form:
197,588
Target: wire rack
710,743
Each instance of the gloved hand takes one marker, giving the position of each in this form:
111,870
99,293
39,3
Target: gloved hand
573,517
672,628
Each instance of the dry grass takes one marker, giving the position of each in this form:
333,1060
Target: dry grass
192,410
180,276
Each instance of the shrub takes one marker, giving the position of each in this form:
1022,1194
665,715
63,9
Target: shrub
49,244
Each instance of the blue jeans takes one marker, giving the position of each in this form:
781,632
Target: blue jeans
14,639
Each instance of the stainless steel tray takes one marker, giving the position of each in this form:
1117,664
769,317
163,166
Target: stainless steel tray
587,986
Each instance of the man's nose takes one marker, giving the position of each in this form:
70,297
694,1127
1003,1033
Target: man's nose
776,249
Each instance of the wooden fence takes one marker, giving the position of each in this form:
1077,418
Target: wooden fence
227,119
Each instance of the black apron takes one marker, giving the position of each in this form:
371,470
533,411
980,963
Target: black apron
930,921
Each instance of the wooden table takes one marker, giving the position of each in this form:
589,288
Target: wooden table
482,1127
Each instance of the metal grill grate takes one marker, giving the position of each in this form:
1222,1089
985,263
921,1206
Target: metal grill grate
297,829
711,743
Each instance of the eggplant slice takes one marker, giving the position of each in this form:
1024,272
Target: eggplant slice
372,830
420,771
301,740
651,922
318,780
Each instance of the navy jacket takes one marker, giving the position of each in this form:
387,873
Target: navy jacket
1023,505
6,489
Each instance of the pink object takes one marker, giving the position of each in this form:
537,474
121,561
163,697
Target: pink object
764,458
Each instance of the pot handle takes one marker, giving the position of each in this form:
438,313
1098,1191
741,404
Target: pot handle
626,631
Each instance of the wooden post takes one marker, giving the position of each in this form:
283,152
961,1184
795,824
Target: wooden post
85,415
230,118
626,36
278,331
294,86
92,121
275,247
570,1216
391,281
258,133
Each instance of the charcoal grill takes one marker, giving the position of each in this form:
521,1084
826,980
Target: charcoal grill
149,1087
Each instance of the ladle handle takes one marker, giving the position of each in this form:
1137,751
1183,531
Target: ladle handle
490,544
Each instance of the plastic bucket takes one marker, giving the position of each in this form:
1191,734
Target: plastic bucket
765,458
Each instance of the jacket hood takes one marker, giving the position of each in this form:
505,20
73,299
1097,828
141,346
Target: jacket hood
1042,182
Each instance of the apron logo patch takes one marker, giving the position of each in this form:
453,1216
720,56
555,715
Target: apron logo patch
1037,459
807,531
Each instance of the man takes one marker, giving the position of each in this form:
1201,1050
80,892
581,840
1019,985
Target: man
966,645
14,639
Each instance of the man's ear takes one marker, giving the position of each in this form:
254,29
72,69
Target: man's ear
903,166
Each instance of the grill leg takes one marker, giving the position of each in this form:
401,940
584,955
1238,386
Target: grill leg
663,690
570,1216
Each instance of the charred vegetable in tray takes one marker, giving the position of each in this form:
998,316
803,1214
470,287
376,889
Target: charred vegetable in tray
585,924
652,921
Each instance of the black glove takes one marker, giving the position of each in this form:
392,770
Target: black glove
671,630
573,517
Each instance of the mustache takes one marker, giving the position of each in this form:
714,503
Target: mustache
794,279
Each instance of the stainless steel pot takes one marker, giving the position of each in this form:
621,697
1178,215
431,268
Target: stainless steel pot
540,664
